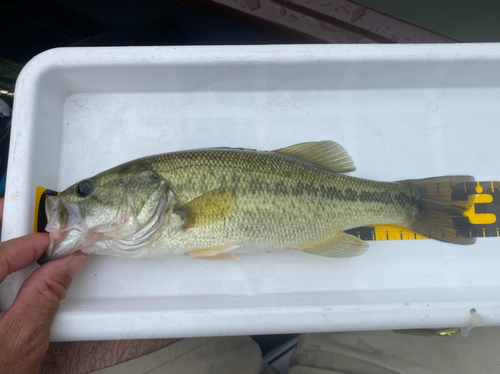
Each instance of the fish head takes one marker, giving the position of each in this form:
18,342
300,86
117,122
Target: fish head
110,206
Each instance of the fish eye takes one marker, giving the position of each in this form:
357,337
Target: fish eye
84,188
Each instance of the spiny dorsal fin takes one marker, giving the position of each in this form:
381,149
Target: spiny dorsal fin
211,207
341,245
325,153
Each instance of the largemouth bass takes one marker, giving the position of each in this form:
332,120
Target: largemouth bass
216,203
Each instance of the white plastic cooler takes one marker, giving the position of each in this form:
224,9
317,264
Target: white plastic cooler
401,111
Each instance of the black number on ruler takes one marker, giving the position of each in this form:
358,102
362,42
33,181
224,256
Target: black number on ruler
364,233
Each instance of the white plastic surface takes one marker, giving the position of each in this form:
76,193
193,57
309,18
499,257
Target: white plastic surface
401,111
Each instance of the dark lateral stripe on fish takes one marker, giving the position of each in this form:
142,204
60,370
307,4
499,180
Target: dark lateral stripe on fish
330,192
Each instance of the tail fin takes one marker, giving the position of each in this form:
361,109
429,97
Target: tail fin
434,210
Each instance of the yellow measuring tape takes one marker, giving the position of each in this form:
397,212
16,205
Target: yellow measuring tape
481,216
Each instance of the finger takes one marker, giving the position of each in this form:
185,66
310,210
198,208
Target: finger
44,289
27,323
18,253
1,211
38,300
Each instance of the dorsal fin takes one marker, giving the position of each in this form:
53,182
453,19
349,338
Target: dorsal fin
326,153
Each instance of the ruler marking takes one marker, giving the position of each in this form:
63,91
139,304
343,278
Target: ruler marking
492,189
465,187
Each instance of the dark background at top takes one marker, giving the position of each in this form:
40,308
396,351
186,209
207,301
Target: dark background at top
28,28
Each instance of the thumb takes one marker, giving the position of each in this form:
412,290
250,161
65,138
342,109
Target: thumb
38,300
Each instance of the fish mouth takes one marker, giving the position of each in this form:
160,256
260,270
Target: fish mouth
64,224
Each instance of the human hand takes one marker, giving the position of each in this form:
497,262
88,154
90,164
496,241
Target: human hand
25,326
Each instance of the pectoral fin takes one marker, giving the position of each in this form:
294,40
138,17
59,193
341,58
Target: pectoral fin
341,245
212,207
215,253
325,153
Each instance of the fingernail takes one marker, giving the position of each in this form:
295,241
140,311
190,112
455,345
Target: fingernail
77,264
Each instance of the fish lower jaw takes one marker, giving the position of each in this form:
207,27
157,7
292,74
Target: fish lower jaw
66,242
56,238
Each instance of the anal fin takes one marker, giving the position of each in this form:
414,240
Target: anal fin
340,245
